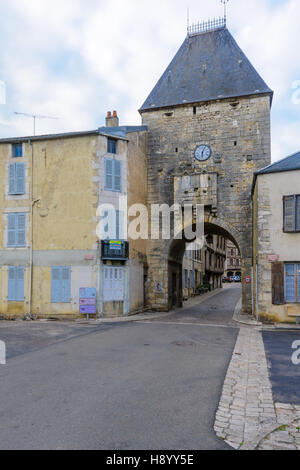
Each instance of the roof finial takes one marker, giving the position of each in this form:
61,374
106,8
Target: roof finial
225,12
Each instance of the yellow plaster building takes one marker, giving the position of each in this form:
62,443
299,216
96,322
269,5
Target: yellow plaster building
52,187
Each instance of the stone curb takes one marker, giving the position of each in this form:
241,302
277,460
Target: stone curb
244,319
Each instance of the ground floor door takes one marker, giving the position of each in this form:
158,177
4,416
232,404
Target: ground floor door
113,284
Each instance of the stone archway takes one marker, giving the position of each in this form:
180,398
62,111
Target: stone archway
165,270
176,248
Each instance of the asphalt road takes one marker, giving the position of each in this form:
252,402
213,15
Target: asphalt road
139,385
284,374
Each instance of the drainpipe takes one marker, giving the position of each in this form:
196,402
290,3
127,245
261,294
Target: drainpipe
31,233
252,290
257,313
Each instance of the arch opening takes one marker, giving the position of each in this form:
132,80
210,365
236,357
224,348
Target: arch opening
191,273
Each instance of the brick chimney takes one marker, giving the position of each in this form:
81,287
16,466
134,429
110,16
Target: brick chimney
112,120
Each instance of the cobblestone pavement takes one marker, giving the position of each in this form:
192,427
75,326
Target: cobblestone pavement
287,435
247,417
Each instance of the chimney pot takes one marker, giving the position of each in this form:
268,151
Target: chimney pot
112,119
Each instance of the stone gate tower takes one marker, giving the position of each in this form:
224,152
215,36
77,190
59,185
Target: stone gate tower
208,117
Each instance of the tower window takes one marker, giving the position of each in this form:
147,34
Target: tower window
194,110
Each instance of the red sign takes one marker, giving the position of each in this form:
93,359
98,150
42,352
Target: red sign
273,258
247,280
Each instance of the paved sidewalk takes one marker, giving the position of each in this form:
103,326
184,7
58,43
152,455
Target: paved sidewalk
248,418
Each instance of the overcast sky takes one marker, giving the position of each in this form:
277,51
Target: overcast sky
77,59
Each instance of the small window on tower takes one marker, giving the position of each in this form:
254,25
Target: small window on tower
194,110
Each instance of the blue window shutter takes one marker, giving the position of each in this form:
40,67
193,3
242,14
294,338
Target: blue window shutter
11,283
108,174
289,214
17,150
117,175
66,285
297,212
11,176
61,285
12,230
118,225
20,178
56,285
21,236
290,284
20,284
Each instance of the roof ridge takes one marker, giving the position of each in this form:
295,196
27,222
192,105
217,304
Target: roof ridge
279,161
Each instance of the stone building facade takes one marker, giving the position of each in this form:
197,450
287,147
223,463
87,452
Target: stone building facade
192,270
276,252
233,260
210,96
215,256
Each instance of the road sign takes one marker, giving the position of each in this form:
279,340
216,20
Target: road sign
87,301
247,280
88,309
87,293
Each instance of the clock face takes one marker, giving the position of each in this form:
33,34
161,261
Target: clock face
202,153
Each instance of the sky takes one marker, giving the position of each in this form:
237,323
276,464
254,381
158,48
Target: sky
77,59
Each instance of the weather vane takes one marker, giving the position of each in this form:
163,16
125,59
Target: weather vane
224,3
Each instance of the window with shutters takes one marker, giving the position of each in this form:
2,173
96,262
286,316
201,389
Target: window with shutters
16,178
113,175
16,230
112,146
61,284
114,229
292,283
15,284
17,150
291,213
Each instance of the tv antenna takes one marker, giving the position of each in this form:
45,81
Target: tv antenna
35,117
225,10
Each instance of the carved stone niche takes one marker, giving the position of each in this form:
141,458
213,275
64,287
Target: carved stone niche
196,188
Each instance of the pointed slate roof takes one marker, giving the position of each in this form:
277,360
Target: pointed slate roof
208,66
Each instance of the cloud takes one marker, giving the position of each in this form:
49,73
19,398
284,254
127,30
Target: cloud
77,59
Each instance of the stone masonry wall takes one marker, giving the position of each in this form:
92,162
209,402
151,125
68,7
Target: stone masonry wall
238,132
